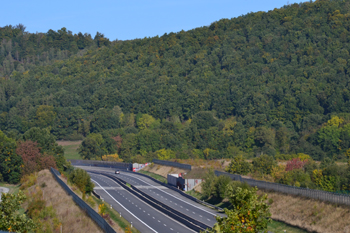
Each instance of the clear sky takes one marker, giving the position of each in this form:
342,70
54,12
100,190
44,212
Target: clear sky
128,19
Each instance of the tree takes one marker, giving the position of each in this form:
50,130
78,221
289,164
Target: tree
47,144
209,184
145,121
10,219
33,160
45,116
239,166
249,213
264,164
10,162
90,149
82,180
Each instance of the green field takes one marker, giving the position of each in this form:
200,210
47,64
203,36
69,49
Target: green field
70,149
279,227
71,152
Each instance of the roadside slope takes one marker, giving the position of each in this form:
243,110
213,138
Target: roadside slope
60,207
309,214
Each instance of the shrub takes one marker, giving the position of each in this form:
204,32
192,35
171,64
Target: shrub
264,164
82,180
221,186
239,166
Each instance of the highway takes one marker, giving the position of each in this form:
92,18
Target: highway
167,196
171,198
144,217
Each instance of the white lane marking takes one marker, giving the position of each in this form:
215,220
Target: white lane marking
172,195
124,207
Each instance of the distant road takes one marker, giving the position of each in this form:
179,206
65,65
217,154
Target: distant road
144,217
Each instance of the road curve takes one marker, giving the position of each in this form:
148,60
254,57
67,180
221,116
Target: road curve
144,217
167,196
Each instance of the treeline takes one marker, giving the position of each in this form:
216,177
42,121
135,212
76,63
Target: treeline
263,83
21,51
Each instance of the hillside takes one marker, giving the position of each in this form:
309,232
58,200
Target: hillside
51,207
260,83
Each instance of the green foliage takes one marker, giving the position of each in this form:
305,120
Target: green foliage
10,162
264,164
82,180
239,166
249,213
209,184
10,219
268,82
221,186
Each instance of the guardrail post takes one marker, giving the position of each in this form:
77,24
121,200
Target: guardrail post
131,224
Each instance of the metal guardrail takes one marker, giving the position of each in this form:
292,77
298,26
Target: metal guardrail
97,163
178,216
91,212
180,192
172,164
342,199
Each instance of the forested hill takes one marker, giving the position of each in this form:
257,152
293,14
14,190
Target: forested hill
263,82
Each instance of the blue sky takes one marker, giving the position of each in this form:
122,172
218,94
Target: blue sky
127,19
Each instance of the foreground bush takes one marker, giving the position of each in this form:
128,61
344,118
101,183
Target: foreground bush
82,180
10,220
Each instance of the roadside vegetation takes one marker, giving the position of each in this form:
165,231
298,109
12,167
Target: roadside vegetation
155,176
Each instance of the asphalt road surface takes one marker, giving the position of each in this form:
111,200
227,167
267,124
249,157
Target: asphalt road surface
144,217
167,196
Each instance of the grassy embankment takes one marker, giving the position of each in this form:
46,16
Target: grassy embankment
155,176
275,226
70,149
51,208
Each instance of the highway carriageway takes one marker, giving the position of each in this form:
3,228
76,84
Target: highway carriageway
144,217
166,196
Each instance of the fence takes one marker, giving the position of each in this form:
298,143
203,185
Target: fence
172,164
310,193
96,163
91,212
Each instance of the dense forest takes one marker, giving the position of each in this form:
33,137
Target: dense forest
270,83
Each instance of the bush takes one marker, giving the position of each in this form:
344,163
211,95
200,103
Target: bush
82,180
221,186
239,166
264,164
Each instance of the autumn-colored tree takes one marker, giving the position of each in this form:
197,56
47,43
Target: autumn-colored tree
295,163
33,160
112,158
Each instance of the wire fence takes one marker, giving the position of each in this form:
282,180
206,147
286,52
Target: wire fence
342,199
96,163
172,164
91,212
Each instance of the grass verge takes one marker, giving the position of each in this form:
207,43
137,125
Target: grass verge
115,216
155,176
276,227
